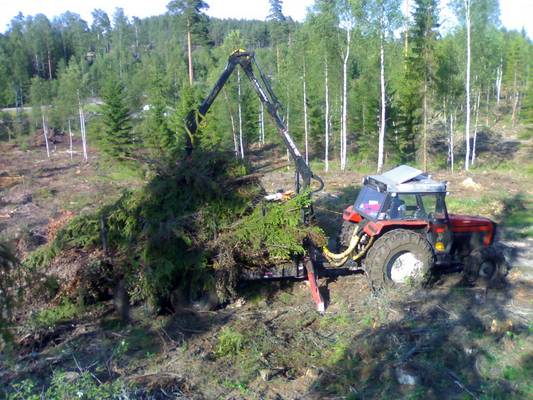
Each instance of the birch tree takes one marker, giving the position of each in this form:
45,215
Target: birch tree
239,104
347,26
306,122
40,96
476,112
326,118
324,22
385,15
232,120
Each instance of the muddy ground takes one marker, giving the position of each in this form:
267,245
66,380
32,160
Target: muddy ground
449,341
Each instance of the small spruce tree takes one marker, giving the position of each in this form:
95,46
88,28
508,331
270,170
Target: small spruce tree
118,141
158,135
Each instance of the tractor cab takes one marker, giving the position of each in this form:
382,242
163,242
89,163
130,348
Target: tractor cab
404,193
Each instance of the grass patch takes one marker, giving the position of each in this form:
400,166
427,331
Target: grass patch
50,317
517,215
43,194
483,205
64,385
230,343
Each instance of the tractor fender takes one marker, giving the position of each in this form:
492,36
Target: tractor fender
378,227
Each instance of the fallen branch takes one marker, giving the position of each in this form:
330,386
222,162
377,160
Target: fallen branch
457,381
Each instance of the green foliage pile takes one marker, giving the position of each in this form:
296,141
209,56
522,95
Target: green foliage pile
187,229
276,230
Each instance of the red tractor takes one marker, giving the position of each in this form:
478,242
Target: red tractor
399,231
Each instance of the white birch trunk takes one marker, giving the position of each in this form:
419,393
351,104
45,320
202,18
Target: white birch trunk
515,107
70,138
475,128
406,31
241,146
233,130
451,155
288,127
516,96
487,109
82,129
344,127
425,127
45,133
235,141
189,52
467,85
306,132
381,144
499,75
326,122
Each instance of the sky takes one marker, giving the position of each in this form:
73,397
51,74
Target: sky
515,14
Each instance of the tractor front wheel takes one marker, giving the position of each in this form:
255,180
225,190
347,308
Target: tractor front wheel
399,257
345,237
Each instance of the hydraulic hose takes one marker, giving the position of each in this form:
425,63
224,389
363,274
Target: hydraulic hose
337,260
346,253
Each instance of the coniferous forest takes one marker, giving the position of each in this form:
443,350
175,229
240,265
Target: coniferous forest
358,80
143,259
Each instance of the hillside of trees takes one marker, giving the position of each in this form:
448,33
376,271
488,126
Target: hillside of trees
358,80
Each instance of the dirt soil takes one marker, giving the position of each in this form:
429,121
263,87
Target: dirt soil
449,341
36,193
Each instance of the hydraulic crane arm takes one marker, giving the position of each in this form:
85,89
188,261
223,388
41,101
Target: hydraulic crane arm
263,89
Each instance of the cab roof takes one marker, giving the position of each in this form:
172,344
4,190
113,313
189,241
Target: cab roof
406,179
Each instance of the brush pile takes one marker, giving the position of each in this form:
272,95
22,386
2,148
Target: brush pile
190,230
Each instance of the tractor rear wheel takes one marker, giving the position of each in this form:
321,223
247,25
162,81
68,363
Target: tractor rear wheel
487,265
399,257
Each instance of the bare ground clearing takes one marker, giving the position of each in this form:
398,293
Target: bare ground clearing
449,341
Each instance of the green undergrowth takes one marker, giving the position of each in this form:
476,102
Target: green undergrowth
183,229
49,317
517,216
66,385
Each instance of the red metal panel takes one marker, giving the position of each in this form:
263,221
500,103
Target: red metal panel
350,215
471,224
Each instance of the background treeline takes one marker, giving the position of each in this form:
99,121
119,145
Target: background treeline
359,80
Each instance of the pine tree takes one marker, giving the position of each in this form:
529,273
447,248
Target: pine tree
118,139
276,11
158,134
191,13
187,103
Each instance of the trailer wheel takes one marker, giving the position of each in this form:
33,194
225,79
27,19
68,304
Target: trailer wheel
486,265
347,231
399,257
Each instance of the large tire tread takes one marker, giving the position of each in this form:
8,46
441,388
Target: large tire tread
486,254
347,231
389,244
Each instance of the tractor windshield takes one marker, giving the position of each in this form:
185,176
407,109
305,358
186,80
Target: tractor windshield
369,202
418,206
